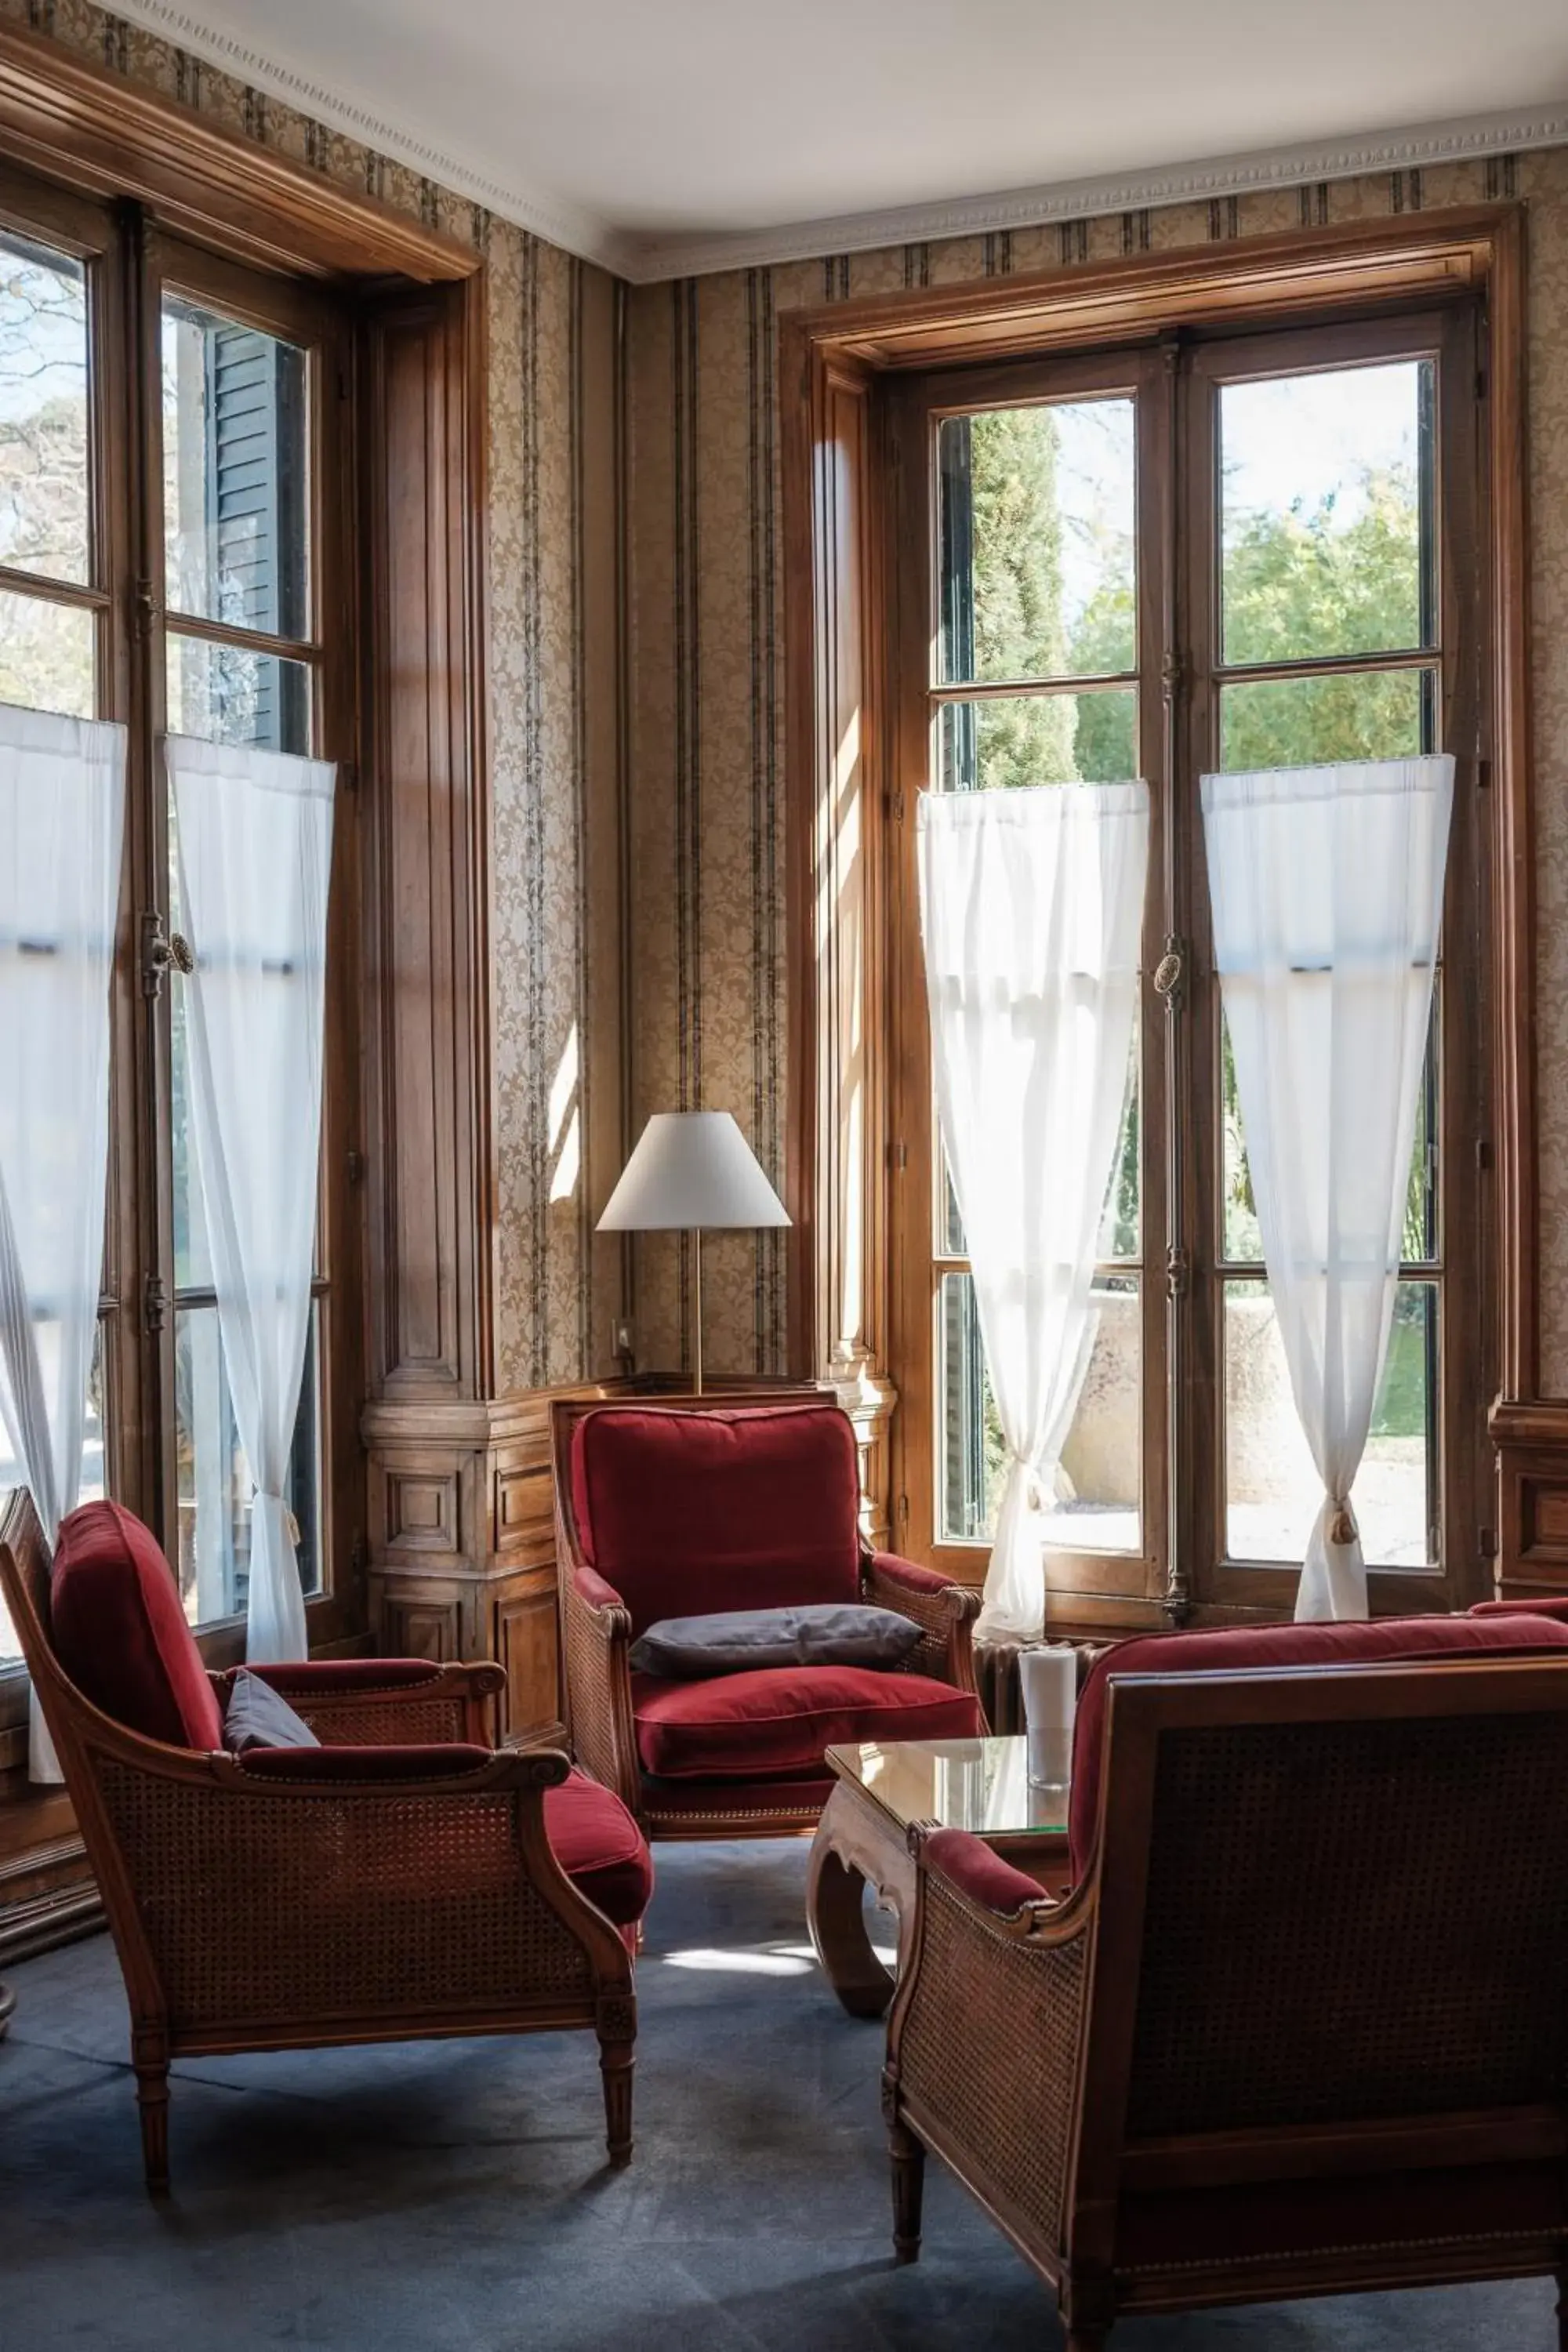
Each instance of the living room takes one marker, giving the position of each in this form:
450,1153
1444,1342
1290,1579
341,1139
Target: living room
783,1326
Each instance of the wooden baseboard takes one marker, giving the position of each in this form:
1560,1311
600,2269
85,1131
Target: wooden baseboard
44,1922
48,1893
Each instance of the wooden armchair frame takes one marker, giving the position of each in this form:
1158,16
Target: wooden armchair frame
402,1896
1301,2028
596,1633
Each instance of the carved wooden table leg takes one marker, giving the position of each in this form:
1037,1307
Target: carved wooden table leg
7,2003
855,1847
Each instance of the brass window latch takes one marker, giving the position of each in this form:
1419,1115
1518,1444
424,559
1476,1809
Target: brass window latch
160,950
1170,972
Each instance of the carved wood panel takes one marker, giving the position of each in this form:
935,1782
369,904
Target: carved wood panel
526,1643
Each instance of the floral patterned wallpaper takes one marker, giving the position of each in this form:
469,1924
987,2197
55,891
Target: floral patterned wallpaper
554,665
688,827
708,727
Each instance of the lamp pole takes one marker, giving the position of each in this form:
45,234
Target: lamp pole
696,1310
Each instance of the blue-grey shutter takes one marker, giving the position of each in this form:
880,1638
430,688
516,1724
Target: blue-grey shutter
256,506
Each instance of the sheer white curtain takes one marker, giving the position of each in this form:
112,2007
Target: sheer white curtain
1327,890
62,809
254,837
1031,910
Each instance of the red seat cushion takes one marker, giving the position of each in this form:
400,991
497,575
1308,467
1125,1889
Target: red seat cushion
121,1634
1240,1649
600,1847
781,1718
685,1512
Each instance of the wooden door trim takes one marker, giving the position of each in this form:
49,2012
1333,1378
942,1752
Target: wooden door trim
108,136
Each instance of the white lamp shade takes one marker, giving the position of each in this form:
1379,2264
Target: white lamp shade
692,1168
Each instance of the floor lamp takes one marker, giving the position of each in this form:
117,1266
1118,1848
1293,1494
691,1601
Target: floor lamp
692,1170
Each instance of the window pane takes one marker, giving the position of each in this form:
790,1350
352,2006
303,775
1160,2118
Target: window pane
214,1479
230,695
193,1253
1304,722
1120,1222
1037,542
47,656
1037,738
192,1257
1243,1241
45,501
950,1239
92,1463
1420,1239
1273,1493
1097,1504
1325,513
235,473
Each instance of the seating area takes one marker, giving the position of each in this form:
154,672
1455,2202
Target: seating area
667,1512
397,1878
783,1236
1171,2049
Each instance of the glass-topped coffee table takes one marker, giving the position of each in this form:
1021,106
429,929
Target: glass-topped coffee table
862,1840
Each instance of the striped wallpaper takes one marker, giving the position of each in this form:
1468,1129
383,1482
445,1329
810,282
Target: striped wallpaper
637,705
556,560
706,806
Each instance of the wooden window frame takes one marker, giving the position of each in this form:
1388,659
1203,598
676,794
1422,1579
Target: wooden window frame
97,166
306,315
1221,1586
914,404
839,369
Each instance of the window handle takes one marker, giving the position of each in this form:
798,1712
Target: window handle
160,950
1170,972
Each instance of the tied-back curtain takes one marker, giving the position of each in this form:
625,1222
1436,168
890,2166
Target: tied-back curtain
255,839
62,812
1326,886
1031,912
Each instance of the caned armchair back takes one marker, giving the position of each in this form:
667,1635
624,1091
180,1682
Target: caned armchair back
1330,1900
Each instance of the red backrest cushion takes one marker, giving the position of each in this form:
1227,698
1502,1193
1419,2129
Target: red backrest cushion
685,1512
1236,1649
1545,1607
119,1631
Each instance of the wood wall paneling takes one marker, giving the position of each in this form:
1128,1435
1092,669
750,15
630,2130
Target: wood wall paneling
839,1143
427,1077
1532,1536
462,1542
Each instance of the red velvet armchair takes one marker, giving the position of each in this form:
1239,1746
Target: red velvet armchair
1298,2027
666,1510
403,1880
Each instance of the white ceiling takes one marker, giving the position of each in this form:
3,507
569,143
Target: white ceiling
667,135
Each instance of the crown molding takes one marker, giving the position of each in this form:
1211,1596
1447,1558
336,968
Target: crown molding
1468,139
647,260
568,226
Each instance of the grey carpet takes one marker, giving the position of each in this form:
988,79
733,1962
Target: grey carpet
450,2197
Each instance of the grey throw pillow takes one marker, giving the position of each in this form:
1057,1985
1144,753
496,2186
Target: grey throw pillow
828,1634
256,1717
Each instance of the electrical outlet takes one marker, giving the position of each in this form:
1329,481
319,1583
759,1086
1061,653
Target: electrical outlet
622,1339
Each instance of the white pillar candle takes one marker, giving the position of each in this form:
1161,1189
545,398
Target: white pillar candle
1048,1679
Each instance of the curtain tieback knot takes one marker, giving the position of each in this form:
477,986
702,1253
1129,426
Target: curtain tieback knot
290,1524
1342,1527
